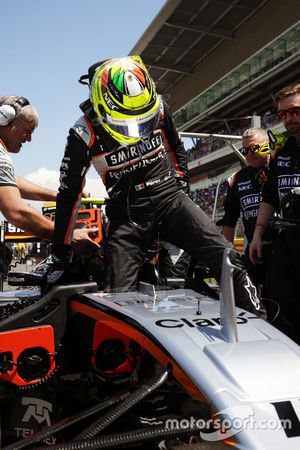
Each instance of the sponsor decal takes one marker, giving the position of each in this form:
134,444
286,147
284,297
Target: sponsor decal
64,165
288,181
109,101
284,164
251,289
250,200
37,409
133,152
197,322
250,214
63,186
25,432
244,185
10,228
80,129
11,232
62,175
140,164
140,187
284,161
133,302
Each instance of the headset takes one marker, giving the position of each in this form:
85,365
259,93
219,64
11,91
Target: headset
8,112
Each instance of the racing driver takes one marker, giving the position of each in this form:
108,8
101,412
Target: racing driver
128,134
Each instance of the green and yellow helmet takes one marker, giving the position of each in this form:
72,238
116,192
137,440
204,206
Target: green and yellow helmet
277,141
124,98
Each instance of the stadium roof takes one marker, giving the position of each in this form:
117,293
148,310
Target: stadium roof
192,44
186,31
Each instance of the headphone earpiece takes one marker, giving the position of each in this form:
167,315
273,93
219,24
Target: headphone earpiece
8,112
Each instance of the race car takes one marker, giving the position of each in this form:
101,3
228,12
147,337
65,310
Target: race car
153,368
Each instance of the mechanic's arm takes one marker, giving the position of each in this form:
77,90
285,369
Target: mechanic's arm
23,216
28,219
31,191
267,207
265,213
228,232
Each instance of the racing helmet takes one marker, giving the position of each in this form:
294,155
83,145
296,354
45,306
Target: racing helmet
124,98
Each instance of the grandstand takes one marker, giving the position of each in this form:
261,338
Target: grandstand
218,64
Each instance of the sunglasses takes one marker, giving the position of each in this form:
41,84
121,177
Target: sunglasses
260,149
293,111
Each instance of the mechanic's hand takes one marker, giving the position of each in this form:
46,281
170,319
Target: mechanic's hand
82,242
85,194
255,250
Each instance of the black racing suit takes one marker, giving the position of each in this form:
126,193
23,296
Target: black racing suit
244,197
283,278
142,181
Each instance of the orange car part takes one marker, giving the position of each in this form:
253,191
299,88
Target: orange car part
13,343
144,341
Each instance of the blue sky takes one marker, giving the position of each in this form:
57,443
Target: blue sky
45,47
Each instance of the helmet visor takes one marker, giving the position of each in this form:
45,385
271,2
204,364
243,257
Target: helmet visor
134,127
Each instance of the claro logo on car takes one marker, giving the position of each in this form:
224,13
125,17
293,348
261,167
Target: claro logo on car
198,322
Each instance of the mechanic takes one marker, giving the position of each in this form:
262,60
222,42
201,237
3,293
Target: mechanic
243,198
18,120
128,133
278,193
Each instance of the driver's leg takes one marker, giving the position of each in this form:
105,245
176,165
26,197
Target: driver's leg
124,253
185,224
